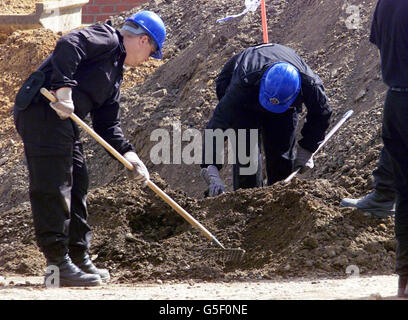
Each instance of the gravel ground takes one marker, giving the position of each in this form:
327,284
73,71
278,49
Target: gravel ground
366,288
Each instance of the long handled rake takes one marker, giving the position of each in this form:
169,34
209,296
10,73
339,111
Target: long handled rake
224,254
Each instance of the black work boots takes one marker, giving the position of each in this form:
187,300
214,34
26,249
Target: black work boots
84,262
380,205
73,269
62,272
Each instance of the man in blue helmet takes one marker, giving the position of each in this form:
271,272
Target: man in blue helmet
263,87
85,73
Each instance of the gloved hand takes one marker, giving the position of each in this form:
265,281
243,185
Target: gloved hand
64,107
304,160
139,172
212,177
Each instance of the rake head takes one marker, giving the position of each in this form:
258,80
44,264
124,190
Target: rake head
224,255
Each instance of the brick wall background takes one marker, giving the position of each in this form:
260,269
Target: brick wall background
100,10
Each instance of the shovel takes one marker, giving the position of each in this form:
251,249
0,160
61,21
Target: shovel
223,254
346,116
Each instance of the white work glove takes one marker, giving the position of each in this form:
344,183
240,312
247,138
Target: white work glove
212,177
64,107
139,172
304,160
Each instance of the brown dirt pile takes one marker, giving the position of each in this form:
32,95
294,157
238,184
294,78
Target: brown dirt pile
19,6
294,230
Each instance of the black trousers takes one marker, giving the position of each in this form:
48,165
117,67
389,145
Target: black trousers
278,135
383,176
395,137
58,179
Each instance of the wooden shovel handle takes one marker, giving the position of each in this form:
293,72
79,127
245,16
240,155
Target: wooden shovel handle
180,210
128,165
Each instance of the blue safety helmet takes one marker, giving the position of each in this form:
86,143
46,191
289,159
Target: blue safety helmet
154,26
280,86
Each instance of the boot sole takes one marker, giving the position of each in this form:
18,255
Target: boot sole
68,283
343,205
377,213
104,279
346,204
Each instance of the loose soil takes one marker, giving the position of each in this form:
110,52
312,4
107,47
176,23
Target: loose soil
18,6
288,231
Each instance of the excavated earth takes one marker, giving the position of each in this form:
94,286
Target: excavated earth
288,231
18,6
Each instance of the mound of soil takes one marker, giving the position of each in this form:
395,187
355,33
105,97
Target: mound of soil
286,230
18,6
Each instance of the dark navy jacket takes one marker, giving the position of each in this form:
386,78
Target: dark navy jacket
90,61
389,32
238,86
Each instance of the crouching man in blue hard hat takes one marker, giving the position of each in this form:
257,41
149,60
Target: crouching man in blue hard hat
85,72
263,87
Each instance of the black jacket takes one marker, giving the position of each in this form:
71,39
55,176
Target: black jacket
389,32
238,84
90,61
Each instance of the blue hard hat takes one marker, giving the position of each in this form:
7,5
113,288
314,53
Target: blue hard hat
154,26
280,86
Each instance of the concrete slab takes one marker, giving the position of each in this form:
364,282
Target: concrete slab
58,15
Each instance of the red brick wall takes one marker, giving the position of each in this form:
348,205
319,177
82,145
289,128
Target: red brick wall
100,10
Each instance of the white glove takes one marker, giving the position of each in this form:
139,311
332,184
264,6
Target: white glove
304,159
64,107
212,177
139,172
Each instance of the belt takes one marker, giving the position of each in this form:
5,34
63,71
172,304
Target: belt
397,89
